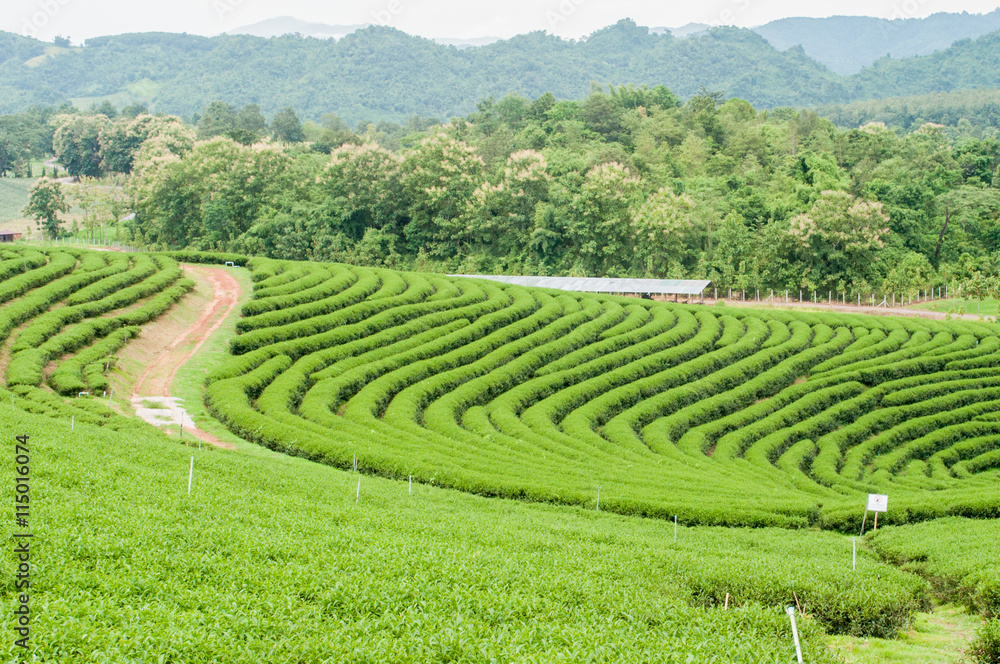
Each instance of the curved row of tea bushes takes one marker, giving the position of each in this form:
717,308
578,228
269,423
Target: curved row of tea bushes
787,418
78,299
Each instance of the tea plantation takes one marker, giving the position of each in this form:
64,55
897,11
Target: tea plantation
723,417
514,411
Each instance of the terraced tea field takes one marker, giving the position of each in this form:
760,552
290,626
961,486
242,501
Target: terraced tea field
720,416
621,406
66,312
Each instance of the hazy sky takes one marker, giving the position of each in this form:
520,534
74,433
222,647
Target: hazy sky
80,19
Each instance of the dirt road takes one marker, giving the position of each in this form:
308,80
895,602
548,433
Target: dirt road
169,344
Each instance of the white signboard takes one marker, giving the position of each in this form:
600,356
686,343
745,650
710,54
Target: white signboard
877,502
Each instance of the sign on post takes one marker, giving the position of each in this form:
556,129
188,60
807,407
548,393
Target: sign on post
877,502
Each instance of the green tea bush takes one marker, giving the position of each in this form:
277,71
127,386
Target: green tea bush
985,649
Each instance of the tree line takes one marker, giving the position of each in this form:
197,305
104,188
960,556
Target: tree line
627,182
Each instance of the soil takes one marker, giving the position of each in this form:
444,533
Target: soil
168,343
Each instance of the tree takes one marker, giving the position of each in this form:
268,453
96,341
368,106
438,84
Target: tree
439,176
662,225
219,119
250,125
77,143
286,127
121,141
8,158
501,213
601,220
838,239
208,197
362,189
45,202
980,286
105,108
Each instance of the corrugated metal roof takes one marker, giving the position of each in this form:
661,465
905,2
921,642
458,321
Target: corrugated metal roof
599,285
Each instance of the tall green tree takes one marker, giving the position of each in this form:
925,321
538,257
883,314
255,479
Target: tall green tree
45,202
77,143
601,225
439,177
286,127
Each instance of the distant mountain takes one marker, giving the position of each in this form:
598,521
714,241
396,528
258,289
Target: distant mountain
684,30
379,73
847,44
466,43
376,73
967,64
288,25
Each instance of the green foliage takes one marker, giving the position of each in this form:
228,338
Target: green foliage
705,189
985,649
956,555
470,565
507,392
105,298
446,379
45,202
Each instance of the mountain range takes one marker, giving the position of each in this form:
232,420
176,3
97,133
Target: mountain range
377,73
845,44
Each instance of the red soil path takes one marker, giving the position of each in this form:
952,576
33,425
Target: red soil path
158,377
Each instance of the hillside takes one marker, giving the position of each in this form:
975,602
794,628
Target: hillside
501,390
965,65
381,73
143,546
978,107
848,44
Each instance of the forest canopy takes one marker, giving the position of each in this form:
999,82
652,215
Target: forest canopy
628,182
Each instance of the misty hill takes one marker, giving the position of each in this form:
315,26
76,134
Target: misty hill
847,44
379,73
967,64
288,25
382,73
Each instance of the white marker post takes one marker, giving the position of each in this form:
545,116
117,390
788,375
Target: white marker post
72,423
598,508
795,632
190,475
877,502
357,495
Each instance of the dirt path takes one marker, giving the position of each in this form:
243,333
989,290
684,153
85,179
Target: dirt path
168,345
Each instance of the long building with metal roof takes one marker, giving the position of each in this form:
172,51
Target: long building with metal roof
601,285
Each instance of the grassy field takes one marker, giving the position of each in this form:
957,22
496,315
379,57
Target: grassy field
941,637
13,198
447,388
987,307
272,559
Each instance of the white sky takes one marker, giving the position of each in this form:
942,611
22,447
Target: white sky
80,19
